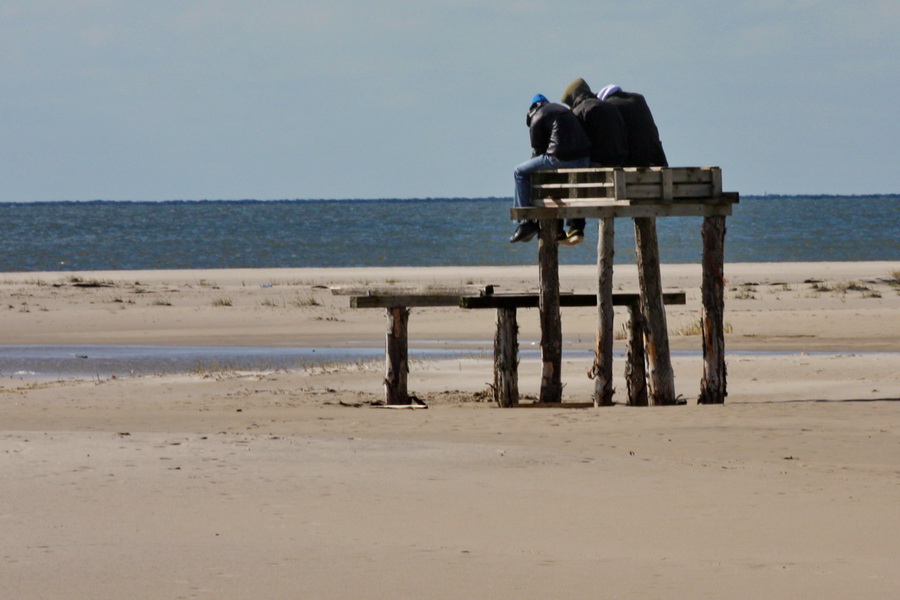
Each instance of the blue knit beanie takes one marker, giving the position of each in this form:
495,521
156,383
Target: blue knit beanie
538,98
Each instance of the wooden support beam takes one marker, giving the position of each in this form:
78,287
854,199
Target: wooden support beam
713,387
600,208
551,323
636,358
662,377
396,356
602,370
506,358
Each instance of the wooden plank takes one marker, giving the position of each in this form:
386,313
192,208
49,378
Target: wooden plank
632,174
619,184
396,290
568,186
603,208
700,191
530,300
653,175
595,201
667,191
716,181
584,170
663,192
407,300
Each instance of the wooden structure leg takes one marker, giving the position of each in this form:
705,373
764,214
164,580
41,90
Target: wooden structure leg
662,377
713,385
636,362
602,369
506,358
396,356
551,325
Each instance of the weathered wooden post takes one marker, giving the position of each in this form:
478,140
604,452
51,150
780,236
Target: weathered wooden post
713,385
602,369
396,356
551,323
636,363
506,358
662,377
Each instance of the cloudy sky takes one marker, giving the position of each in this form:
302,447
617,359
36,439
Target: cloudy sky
267,99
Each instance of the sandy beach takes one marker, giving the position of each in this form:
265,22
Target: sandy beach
220,483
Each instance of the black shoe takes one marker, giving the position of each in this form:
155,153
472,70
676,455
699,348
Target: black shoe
575,236
525,231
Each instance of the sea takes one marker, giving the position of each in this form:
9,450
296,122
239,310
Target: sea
217,234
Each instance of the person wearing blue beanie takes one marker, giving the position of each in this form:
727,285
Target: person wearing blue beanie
557,142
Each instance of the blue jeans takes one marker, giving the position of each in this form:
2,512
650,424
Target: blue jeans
522,174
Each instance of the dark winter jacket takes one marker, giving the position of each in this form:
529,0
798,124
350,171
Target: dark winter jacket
555,130
644,147
602,123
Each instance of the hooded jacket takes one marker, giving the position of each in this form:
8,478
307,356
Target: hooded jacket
555,130
601,121
644,147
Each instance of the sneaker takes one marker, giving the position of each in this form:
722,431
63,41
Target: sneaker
525,231
575,236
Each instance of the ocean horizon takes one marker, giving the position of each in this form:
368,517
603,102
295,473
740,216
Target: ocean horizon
100,235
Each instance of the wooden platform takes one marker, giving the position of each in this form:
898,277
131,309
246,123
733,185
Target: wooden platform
600,192
643,194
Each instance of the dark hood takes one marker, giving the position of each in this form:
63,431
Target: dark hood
575,92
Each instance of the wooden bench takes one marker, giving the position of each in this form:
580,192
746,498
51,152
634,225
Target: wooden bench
398,302
642,194
506,344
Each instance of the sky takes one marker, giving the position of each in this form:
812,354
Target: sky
297,99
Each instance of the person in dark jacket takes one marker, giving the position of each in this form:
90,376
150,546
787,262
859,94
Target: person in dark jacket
644,146
605,127
557,141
